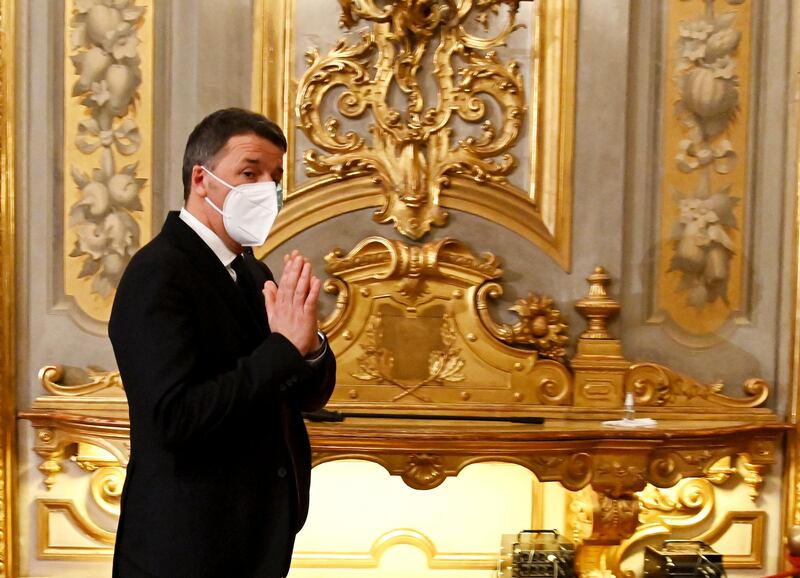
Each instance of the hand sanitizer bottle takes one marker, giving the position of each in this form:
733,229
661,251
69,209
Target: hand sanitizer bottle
629,410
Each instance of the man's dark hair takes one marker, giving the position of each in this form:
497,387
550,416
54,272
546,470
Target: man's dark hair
213,132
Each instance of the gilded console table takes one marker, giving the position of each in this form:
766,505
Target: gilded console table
577,453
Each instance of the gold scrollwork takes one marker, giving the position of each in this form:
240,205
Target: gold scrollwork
411,156
656,385
51,377
552,382
106,488
688,504
540,324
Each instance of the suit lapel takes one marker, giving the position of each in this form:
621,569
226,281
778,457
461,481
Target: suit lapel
212,271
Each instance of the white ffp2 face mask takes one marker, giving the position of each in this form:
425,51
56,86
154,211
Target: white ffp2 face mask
249,210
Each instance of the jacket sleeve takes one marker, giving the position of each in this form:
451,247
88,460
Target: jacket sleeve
313,392
154,332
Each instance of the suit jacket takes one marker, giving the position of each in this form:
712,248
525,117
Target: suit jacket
218,480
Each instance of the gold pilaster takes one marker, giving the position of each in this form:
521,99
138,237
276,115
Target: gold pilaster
8,561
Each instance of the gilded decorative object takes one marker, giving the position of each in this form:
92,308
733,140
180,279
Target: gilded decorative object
598,307
704,182
8,303
52,377
106,488
688,504
598,363
390,294
107,151
540,324
413,164
411,155
751,475
423,471
656,385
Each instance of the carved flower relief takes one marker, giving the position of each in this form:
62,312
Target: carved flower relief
107,234
703,246
708,87
105,43
540,325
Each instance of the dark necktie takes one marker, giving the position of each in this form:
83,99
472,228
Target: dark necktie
245,283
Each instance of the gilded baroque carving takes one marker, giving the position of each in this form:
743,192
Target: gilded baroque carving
411,155
423,471
107,214
688,504
540,324
52,377
703,197
447,107
657,385
751,474
614,518
106,488
436,296
598,307
443,365
616,477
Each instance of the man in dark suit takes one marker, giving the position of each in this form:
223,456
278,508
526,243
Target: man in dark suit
218,361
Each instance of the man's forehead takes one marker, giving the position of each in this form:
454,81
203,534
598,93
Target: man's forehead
250,148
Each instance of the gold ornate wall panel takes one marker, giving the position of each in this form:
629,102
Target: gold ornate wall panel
108,84
416,160
8,279
704,198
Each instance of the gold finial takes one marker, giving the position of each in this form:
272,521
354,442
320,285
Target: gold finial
597,307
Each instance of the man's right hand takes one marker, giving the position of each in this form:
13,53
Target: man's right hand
292,305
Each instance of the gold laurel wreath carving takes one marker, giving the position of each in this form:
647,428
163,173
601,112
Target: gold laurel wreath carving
410,154
376,362
656,385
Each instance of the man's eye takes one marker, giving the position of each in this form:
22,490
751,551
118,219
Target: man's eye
249,174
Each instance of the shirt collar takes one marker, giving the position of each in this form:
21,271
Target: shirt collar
225,255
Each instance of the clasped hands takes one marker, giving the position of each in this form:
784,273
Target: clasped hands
292,304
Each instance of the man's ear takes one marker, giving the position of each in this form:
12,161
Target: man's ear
198,183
